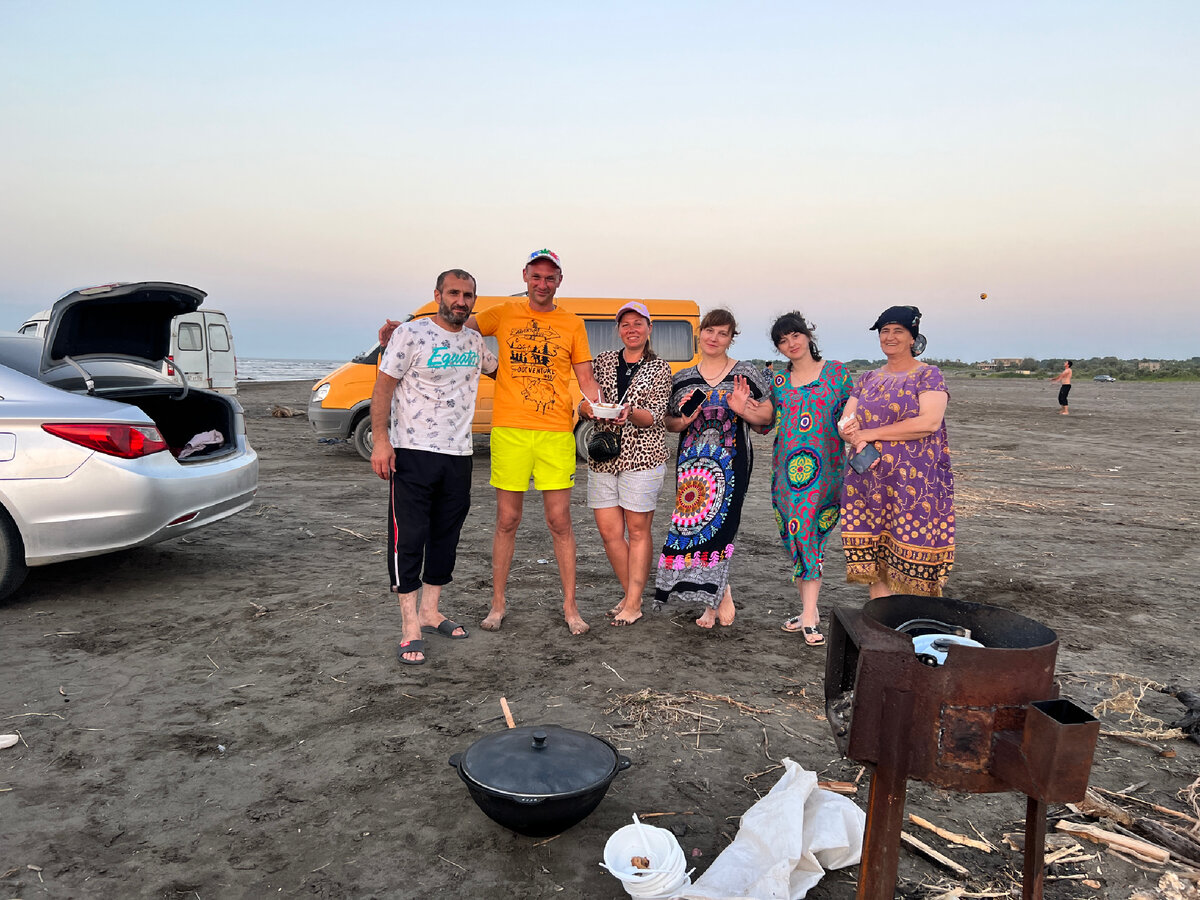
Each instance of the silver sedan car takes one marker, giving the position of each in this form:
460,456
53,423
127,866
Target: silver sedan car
99,451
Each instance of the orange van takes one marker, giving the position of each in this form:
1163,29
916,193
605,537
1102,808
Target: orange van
340,405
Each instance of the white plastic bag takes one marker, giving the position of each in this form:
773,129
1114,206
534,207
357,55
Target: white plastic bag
786,842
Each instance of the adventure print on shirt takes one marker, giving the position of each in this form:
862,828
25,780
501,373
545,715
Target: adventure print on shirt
533,349
538,352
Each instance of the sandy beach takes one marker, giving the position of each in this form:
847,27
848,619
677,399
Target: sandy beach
224,716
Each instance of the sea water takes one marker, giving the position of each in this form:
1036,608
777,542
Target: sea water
285,369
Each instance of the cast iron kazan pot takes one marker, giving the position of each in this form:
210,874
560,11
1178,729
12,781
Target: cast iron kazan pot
539,780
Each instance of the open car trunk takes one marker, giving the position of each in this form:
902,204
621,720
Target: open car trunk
181,419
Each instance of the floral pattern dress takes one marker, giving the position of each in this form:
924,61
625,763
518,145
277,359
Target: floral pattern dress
712,474
806,477
898,518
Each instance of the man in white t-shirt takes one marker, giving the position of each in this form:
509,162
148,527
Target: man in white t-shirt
424,401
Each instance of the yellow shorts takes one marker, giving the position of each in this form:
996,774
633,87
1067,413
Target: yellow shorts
519,454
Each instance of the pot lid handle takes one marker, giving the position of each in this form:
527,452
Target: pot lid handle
539,740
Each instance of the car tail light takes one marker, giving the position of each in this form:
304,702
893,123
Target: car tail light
171,364
125,441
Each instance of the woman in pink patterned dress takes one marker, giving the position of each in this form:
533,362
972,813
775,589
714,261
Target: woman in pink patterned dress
898,515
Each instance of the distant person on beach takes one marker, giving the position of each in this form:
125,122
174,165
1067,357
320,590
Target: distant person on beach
806,479
898,511
541,346
713,470
424,401
1064,379
623,489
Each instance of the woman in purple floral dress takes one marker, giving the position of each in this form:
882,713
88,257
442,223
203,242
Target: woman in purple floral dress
898,515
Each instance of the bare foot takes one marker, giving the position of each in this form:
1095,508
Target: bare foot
708,619
626,618
494,620
616,610
726,610
577,625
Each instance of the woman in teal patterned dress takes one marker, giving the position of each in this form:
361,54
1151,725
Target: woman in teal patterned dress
807,473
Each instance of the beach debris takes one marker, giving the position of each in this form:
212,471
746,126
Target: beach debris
1138,849
284,412
361,537
1166,837
983,296
639,862
1190,723
929,853
508,716
950,836
9,740
839,787
1170,887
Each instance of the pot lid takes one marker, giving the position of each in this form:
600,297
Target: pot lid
542,760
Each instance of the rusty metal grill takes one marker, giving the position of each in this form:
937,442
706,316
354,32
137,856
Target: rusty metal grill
987,719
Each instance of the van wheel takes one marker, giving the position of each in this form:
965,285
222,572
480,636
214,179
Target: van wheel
12,556
583,434
362,439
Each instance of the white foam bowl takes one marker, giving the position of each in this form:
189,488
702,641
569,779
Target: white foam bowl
656,844
606,410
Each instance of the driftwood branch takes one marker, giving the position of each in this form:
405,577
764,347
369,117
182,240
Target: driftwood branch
929,853
950,836
1139,849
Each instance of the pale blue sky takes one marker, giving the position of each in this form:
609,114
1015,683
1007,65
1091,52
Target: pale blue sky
313,166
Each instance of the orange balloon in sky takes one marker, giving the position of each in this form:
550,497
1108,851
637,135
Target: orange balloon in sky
983,296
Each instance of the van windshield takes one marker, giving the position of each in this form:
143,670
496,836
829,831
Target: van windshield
671,340
368,357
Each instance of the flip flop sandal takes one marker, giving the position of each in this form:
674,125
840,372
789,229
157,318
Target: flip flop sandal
411,647
792,625
446,629
811,632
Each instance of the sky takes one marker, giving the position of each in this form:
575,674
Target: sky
313,166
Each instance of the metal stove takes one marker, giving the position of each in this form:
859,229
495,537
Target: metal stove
981,719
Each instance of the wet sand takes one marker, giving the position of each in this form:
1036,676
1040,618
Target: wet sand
224,716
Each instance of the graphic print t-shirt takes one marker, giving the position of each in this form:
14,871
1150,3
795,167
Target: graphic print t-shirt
537,351
434,402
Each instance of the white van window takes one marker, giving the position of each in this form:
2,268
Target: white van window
671,340
31,328
190,336
218,338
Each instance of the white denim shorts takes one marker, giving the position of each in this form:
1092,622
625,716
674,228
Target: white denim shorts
635,491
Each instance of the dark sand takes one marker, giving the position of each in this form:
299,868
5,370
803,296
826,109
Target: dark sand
224,716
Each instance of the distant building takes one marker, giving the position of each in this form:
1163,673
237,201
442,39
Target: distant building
986,366
1149,365
1007,362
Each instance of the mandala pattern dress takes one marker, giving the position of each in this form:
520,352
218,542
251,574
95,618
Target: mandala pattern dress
806,477
898,518
712,474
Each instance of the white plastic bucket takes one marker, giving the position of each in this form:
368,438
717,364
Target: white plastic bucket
666,875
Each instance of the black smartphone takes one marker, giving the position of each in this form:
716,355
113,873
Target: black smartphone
692,403
861,461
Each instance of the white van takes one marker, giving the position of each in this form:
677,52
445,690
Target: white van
201,346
